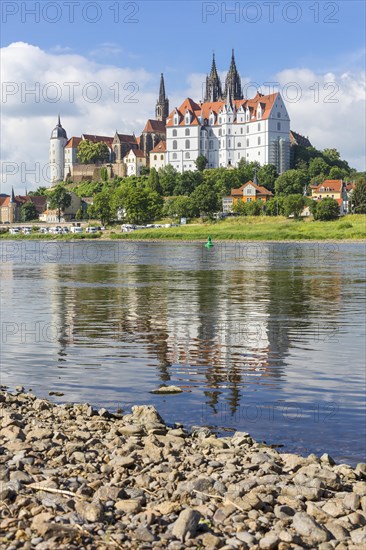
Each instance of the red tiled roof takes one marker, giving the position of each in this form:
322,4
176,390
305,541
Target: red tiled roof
154,127
204,109
136,152
159,148
260,190
329,185
4,201
73,143
126,138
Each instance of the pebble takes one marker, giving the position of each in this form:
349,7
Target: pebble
136,481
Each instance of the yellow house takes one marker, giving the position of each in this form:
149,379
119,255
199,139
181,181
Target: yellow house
249,192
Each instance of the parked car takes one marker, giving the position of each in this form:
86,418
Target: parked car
76,229
43,230
14,230
127,228
65,230
27,230
91,229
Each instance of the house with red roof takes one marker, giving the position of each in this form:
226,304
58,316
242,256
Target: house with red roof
334,189
249,192
157,156
135,160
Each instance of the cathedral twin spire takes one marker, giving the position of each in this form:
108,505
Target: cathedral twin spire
232,83
162,105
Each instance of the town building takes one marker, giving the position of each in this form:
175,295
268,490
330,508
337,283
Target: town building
227,128
249,192
135,160
334,189
10,206
67,215
157,156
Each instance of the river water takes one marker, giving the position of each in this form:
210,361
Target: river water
263,338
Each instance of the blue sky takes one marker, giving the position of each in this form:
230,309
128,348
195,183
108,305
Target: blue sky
322,50
177,37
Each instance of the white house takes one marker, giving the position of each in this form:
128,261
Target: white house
157,156
227,131
134,160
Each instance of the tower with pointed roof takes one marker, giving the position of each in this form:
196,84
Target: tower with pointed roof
213,84
162,105
57,153
232,81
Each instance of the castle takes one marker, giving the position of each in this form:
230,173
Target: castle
225,128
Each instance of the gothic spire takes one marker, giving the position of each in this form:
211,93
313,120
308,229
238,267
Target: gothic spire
162,89
12,199
213,84
162,105
233,80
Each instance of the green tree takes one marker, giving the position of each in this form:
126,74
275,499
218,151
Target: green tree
294,205
104,174
91,153
142,205
326,209
254,208
154,182
60,199
337,173
358,197
28,212
168,179
187,182
318,167
41,191
275,206
267,176
80,214
179,207
102,207
291,182
205,200
201,163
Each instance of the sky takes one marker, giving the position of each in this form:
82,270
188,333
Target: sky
98,64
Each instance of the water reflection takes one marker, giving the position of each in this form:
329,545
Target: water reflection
234,329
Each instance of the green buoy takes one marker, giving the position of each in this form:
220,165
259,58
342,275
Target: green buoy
209,243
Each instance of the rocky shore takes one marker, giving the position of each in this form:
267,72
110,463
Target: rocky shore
74,477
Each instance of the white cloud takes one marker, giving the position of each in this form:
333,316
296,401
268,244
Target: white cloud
28,119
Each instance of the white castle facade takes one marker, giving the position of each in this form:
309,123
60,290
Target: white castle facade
225,128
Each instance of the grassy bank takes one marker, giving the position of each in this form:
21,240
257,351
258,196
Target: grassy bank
259,228
240,228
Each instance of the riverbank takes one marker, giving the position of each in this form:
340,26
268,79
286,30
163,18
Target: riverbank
75,477
250,228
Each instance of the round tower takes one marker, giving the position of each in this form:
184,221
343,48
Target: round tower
57,153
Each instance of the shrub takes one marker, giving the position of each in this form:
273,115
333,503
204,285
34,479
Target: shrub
327,209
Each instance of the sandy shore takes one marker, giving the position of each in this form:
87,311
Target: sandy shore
75,477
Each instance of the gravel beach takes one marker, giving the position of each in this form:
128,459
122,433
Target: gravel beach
75,477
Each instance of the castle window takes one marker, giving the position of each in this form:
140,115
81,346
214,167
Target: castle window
239,144
259,127
201,144
188,156
219,120
176,120
175,144
155,157
247,129
161,157
187,132
247,142
259,141
241,130
210,145
188,119
175,133
188,144
229,143
174,156
278,126
229,131
278,115
220,132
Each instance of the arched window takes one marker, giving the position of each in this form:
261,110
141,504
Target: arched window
210,145
175,144
229,131
188,144
247,129
155,157
241,130
188,156
259,126
187,132
259,141
247,142
239,144
229,144
278,126
174,133
176,120
220,132
174,156
161,157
